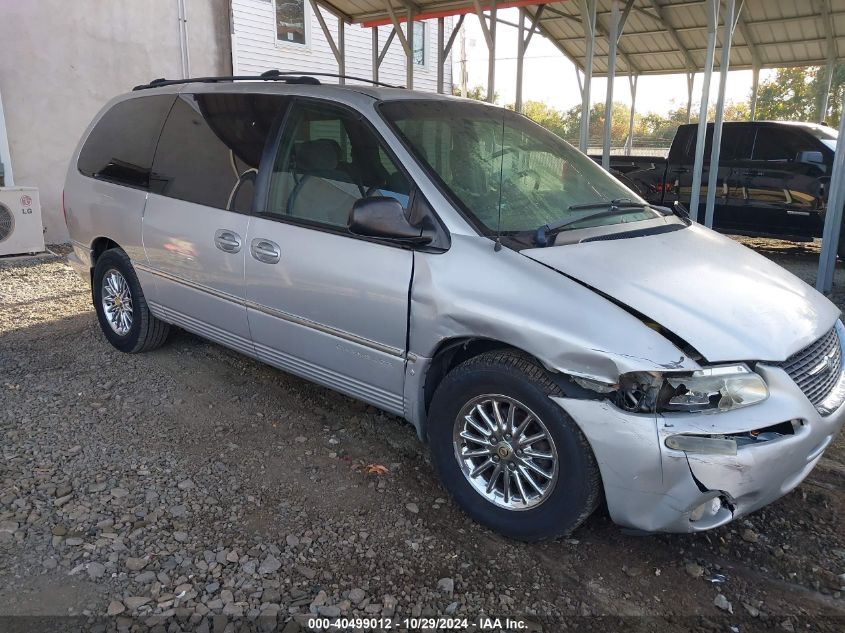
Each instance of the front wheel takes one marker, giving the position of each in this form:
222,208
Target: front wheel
121,308
509,455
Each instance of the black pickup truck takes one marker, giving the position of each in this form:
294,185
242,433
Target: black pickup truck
772,182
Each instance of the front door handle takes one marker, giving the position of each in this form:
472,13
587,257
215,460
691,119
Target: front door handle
265,251
227,241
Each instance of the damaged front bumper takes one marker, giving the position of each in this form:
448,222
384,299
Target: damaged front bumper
654,488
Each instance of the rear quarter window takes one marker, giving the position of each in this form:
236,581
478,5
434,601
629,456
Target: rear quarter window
121,146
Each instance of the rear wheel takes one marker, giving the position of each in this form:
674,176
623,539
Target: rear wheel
121,308
510,456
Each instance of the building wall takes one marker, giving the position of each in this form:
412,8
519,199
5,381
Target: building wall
61,61
256,47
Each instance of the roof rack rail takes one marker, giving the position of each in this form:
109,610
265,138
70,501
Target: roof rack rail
270,75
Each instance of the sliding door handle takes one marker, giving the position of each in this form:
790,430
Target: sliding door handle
265,251
227,241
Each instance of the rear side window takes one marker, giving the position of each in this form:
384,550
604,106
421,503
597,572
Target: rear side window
120,148
781,143
683,146
737,139
211,146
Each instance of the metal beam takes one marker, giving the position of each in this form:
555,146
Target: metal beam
690,85
341,45
455,30
441,59
443,50
482,21
551,38
613,38
663,51
491,59
629,142
489,31
625,12
533,29
329,38
409,35
340,15
833,218
588,17
832,54
521,45
712,22
374,53
661,17
386,47
728,20
755,85
520,59
449,5
397,29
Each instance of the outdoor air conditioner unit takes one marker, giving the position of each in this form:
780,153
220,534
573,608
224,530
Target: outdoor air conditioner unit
20,221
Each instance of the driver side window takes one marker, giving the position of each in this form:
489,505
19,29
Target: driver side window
327,159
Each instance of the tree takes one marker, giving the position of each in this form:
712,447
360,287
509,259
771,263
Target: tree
797,94
479,93
546,116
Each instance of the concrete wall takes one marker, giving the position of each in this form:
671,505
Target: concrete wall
61,61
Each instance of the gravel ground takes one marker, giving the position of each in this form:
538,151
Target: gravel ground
167,488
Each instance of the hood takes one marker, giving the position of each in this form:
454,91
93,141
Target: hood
725,300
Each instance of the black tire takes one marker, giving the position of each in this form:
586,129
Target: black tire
146,332
577,491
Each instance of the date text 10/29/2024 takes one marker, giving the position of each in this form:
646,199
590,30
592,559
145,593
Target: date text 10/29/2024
482,623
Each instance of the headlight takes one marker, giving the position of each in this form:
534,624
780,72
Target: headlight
719,388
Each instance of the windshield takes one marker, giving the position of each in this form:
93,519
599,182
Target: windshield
495,162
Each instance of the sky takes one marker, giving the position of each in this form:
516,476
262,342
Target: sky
550,77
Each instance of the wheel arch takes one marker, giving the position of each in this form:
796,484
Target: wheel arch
100,245
451,352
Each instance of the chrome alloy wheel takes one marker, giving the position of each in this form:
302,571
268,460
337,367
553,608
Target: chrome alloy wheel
117,302
506,452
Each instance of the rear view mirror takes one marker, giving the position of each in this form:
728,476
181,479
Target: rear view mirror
383,217
810,157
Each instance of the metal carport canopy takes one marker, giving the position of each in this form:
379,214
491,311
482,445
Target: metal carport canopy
660,36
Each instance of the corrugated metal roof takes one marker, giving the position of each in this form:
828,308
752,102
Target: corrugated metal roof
666,36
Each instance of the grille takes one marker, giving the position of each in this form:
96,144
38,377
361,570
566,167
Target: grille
7,222
815,369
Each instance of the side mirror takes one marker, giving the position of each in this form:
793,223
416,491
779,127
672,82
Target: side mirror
812,157
383,217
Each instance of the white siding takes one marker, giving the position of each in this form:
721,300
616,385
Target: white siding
256,49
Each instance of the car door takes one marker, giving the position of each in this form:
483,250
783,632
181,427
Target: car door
197,213
731,210
783,193
681,170
321,302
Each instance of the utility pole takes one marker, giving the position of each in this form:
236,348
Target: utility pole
463,63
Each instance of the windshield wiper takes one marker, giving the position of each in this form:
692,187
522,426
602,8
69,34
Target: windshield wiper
619,206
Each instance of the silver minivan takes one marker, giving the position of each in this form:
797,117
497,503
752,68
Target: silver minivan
554,338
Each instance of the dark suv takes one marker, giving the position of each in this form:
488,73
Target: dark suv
773,177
